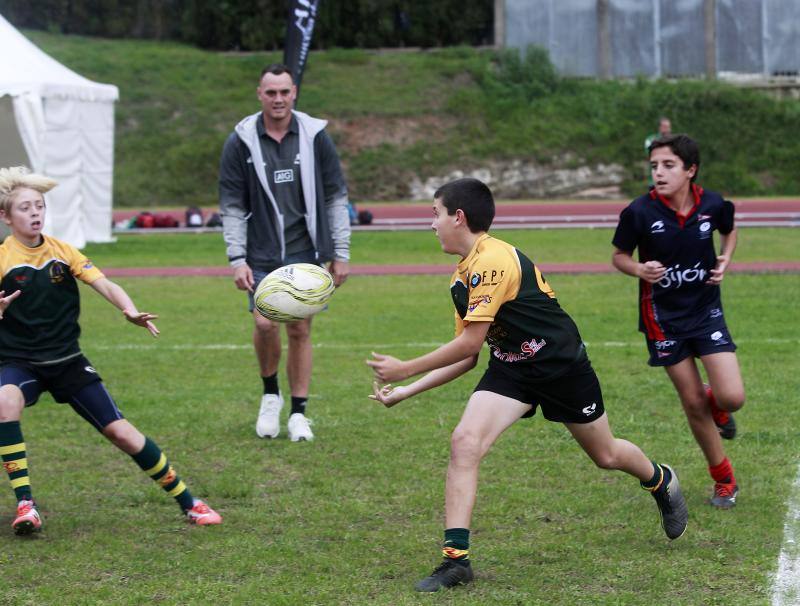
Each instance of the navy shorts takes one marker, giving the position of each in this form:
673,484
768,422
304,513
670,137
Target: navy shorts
671,351
74,382
305,256
575,397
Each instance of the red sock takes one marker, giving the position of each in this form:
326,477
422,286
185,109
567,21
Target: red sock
722,473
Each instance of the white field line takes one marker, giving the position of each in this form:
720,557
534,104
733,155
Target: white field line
370,346
791,216
549,224
786,585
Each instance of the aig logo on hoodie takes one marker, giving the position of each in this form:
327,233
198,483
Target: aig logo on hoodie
284,176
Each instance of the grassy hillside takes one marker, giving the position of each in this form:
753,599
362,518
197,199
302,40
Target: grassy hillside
400,114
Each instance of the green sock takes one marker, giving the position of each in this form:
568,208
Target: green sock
456,545
15,461
155,464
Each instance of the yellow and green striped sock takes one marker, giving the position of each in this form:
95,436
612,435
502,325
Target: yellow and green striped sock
155,464
15,461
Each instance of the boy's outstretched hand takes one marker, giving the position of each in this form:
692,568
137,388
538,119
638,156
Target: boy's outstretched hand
143,319
6,301
387,368
388,395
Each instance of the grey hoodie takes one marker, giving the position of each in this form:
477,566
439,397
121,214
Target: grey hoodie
252,224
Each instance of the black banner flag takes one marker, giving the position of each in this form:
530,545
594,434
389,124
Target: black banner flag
299,29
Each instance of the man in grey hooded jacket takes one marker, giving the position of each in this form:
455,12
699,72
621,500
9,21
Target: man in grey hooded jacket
283,199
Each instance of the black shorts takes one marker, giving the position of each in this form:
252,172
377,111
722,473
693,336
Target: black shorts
74,382
671,351
575,397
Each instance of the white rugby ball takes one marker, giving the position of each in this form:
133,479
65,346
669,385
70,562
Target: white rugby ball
294,292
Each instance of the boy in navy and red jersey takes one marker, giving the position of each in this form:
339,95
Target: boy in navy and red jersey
680,309
537,360
39,348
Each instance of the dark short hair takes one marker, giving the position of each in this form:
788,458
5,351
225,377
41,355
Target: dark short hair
473,197
682,146
276,69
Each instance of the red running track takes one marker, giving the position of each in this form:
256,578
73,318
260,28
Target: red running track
398,216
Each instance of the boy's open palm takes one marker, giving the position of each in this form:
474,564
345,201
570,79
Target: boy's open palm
143,319
387,395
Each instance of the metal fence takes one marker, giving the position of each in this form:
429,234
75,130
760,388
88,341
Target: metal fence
624,38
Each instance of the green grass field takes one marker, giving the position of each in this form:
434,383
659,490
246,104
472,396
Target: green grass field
381,247
356,516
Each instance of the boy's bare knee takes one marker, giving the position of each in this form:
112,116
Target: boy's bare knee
465,447
605,460
11,403
124,436
730,401
605,463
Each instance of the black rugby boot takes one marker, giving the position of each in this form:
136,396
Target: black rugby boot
671,505
447,574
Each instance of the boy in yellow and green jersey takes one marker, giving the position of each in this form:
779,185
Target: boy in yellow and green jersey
39,351
536,360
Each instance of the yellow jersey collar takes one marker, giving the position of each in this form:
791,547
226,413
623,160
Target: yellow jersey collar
464,264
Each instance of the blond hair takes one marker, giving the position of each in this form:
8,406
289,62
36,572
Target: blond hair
17,177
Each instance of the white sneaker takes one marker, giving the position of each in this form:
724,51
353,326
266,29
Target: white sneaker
268,424
300,428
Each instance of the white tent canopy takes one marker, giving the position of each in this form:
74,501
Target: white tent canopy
66,125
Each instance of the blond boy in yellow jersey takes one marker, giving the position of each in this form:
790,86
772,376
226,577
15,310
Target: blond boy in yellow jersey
39,351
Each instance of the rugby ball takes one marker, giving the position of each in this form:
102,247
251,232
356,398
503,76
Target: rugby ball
294,292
